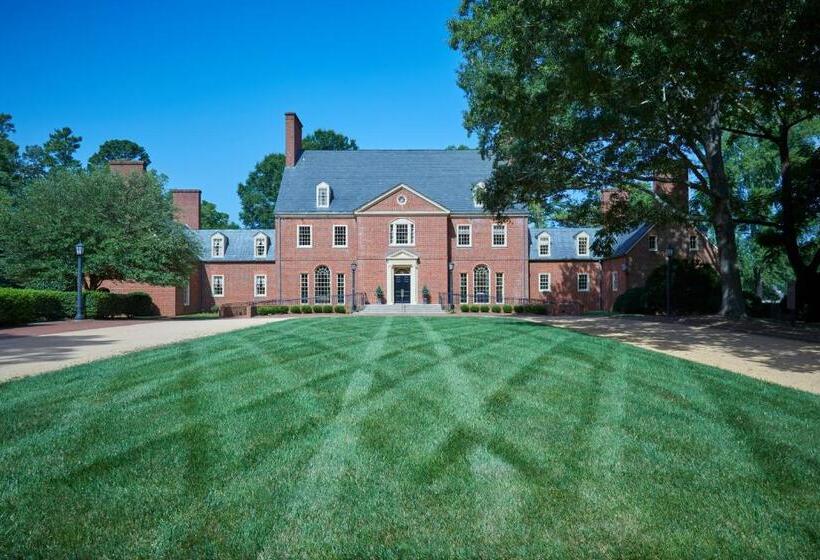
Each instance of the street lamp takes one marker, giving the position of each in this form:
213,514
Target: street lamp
79,249
670,252
353,267
450,266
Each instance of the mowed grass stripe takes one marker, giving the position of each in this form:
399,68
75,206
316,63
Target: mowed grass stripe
406,437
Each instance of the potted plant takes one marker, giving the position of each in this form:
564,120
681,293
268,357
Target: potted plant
379,294
425,294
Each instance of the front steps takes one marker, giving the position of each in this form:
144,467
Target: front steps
403,308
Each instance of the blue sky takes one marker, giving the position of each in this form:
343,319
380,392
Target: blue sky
204,85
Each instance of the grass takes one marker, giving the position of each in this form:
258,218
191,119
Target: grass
406,437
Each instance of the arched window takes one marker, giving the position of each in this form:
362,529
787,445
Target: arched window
582,245
402,232
481,284
217,245
321,284
260,245
544,245
322,195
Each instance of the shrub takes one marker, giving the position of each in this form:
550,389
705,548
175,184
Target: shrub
318,309
465,308
307,309
508,308
327,309
695,288
485,308
474,308
296,309
496,308
518,308
340,309
536,308
631,301
271,309
26,306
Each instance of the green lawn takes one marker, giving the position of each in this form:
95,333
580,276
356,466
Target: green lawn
406,437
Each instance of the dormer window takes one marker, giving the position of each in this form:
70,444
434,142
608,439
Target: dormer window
322,195
402,232
582,245
476,190
544,245
217,245
260,245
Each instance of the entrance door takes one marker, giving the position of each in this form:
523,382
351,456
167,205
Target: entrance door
401,288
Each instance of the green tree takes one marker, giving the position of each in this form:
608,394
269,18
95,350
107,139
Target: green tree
118,149
458,147
322,139
577,97
126,224
211,218
259,191
56,153
9,156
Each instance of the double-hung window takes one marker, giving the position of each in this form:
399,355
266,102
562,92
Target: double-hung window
402,232
260,285
464,235
260,246
217,246
463,288
499,287
544,245
582,245
218,285
340,288
499,235
322,195
304,236
693,242
614,280
340,236
186,294
544,282
583,282
303,287
653,243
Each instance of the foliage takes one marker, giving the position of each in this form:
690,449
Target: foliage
259,191
340,309
632,301
695,289
307,309
465,308
296,309
458,147
321,139
118,149
508,308
125,223
474,308
379,293
56,153
19,306
485,308
496,309
518,308
9,156
211,218
271,309
536,308
573,99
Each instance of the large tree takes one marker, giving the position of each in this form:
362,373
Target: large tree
321,139
126,223
56,153
570,96
118,149
211,218
9,156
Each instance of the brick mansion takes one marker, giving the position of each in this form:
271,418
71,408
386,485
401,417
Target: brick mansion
406,224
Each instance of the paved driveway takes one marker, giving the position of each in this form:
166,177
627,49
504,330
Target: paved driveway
788,362
38,349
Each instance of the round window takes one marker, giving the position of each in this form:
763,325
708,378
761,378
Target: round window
401,199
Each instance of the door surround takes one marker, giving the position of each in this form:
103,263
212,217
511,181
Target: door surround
402,259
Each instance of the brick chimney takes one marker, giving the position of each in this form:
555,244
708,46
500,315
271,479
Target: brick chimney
674,189
293,139
126,167
187,203
609,196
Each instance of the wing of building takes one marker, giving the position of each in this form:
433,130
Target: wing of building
406,225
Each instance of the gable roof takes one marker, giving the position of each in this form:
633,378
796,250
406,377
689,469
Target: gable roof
356,177
562,242
238,244
397,188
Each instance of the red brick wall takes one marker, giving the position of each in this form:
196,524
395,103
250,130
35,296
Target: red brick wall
563,282
414,203
187,203
238,283
167,299
641,261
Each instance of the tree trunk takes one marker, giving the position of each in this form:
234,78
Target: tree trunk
808,296
732,303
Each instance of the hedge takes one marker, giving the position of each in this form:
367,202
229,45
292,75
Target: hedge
271,309
496,308
340,309
518,308
474,308
631,301
485,308
18,306
508,308
307,309
296,309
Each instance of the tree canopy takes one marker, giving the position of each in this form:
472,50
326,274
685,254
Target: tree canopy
126,224
56,153
570,97
9,155
118,149
321,139
211,218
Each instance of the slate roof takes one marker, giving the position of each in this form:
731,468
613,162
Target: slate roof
238,245
359,176
562,242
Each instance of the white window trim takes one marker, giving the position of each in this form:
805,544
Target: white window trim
492,235
476,188
323,187
222,238
501,285
578,282
343,285
298,227
470,233
303,299
578,252
549,282
652,248
615,280
255,277
411,233
264,238
333,241
490,294
465,286
541,238
689,243
213,277
186,294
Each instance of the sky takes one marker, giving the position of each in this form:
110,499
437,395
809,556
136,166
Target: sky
204,86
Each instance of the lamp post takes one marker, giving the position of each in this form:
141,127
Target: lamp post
450,266
353,267
670,252
79,249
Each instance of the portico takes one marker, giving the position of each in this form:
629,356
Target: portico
402,277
